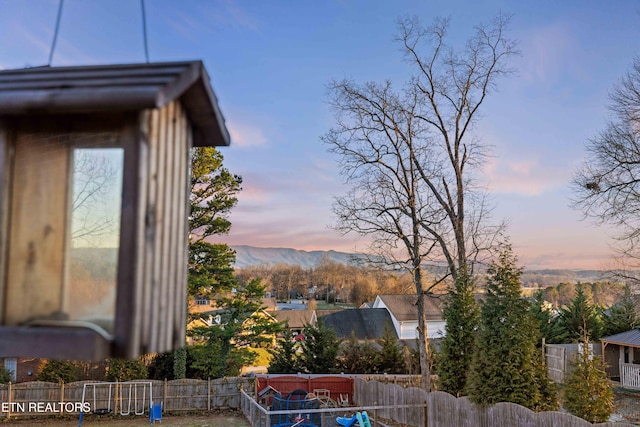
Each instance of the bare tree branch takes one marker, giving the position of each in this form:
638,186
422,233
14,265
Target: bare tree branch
410,155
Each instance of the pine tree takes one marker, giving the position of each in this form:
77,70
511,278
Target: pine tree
285,358
581,315
5,375
320,349
587,390
505,358
390,359
456,351
356,357
549,326
622,316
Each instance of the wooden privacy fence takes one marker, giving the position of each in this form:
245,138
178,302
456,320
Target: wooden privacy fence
556,358
444,410
175,395
338,385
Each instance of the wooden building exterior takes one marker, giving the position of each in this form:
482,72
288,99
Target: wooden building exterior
140,120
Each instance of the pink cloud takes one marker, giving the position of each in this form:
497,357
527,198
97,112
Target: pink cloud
527,177
245,135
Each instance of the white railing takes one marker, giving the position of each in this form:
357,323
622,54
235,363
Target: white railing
630,375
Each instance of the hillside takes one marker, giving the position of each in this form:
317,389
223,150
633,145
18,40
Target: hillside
250,255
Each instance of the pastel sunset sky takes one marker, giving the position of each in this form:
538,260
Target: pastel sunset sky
270,61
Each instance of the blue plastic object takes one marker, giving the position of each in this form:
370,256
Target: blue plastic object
365,419
155,413
346,421
295,401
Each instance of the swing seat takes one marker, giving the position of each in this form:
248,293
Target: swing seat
102,411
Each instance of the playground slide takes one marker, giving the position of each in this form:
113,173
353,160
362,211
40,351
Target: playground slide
361,418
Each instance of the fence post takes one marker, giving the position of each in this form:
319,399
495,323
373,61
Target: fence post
164,395
375,414
61,391
208,394
115,401
426,414
9,397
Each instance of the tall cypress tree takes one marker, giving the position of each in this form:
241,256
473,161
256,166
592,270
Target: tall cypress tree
390,359
320,349
285,358
505,358
581,316
456,351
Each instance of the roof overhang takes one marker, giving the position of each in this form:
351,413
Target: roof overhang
112,88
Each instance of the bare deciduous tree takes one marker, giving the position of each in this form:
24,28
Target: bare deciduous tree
607,186
93,181
412,158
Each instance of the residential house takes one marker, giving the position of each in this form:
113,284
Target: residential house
365,325
297,320
404,315
22,369
209,315
622,357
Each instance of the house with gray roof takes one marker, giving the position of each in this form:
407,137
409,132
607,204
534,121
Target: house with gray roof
404,315
296,320
366,325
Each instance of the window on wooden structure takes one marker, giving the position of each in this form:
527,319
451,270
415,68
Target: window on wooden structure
96,182
64,228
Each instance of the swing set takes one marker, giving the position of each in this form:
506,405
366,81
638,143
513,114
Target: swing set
121,398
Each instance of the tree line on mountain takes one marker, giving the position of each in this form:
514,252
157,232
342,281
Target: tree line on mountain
353,284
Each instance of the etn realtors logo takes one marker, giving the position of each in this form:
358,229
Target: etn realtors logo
44,407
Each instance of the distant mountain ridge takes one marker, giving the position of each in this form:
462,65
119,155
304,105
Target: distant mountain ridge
250,255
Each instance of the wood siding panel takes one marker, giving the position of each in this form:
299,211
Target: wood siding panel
38,227
149,291
165,259
127,298
4,209
179,338
158,305
140,245
173,221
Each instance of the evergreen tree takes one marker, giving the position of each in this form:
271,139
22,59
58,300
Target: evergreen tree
180,363
587,391
548,390
5,375
285,358
581,316
320,349
222,349
456,351
161,366
549,326
357,358
126,370
622,316
390,359
56,371
505,358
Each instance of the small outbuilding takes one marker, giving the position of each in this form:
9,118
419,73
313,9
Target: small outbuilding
94,205
622,357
